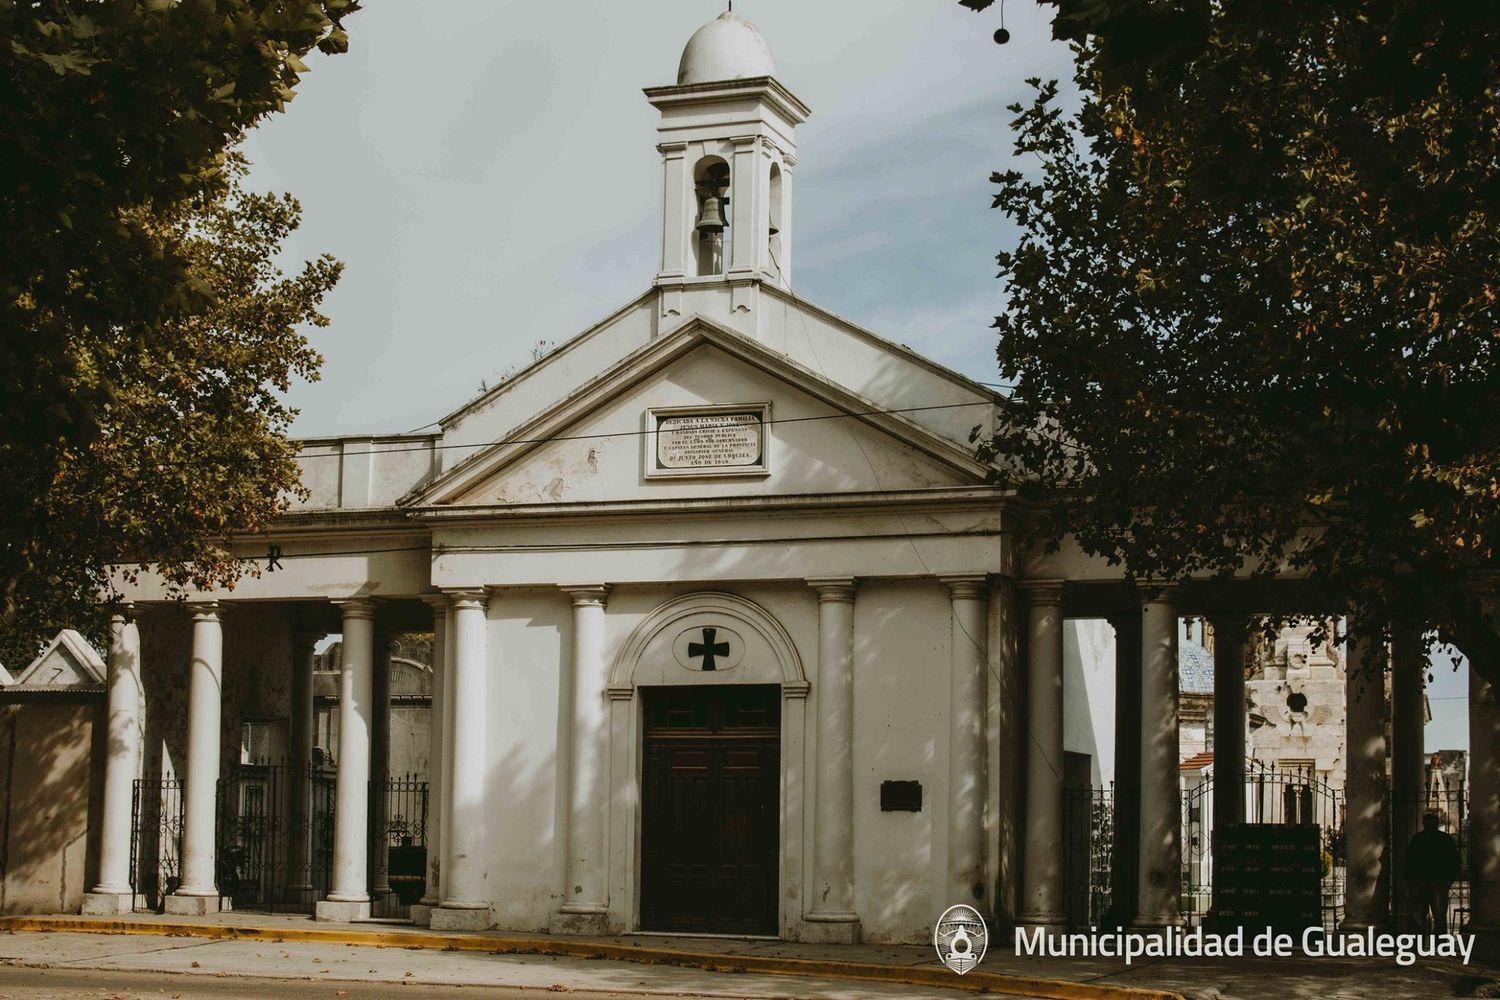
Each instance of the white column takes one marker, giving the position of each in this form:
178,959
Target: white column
1366,887
1125,854
1408,670
1229,721
302,724
445,794
349,898
465,896
1159,872
832,916
744,205
1484,816
968,649
1042,884
198,892
675,217
585,890
380,768
113,894
421,914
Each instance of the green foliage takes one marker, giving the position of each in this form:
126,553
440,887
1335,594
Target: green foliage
114,121
192,444
1252,300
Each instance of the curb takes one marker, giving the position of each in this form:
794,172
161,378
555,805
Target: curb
974,982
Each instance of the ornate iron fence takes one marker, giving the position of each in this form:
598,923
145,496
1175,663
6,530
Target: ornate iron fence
1090,818
398,845
274,839
156,813
1276,796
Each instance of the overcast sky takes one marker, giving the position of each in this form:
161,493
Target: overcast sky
487,171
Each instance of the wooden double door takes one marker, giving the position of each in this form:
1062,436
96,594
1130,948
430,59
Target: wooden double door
710,817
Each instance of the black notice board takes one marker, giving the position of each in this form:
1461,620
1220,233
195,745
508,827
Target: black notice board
1268,875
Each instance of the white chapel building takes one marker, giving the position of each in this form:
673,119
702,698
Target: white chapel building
732,633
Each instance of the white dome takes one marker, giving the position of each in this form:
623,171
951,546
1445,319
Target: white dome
726,48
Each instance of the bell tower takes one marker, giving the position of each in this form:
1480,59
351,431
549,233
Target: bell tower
727,147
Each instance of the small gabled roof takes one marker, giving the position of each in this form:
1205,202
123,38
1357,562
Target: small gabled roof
68,663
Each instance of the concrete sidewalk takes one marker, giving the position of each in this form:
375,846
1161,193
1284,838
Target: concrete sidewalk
296,947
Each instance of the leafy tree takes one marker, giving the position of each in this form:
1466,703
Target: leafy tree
1252,300
114,120
192,444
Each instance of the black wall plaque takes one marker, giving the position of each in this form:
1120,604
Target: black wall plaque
1268,875
901,796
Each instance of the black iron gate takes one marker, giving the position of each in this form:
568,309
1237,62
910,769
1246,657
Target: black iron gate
155,839
1090,819
1277,796
398,845
274,838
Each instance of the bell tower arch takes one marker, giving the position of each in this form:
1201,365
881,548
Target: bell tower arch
726,138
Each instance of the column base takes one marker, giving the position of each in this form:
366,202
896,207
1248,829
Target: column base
830,928
108,904
421,914
334,911
446,918
192,906
585,920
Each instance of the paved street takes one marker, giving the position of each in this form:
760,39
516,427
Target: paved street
20,983
130,966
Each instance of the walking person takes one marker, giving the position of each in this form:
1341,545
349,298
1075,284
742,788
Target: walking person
1432,866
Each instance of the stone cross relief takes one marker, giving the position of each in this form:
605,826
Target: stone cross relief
708,649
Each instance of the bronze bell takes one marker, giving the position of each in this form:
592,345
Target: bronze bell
711,216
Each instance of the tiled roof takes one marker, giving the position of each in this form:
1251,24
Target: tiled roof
1197,761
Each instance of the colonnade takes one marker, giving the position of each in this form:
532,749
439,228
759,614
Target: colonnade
1148,856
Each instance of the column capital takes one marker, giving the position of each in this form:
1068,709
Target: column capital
620,692
833,589
1126,622
741,141
467,598
356,607
966,586
438,603
121,611
204,611
1228,623
587,595
671,148
1158,592
306,638
1042,593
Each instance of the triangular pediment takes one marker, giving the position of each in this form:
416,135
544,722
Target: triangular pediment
67,662
705,411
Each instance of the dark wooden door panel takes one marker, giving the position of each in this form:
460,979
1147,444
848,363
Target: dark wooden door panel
711,810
